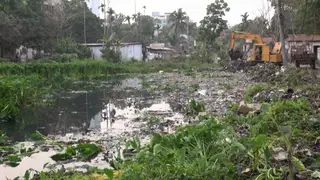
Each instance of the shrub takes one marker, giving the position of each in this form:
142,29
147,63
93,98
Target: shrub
4,60
111,54
83,52
64,57
252,90
282,113
69,46
192,152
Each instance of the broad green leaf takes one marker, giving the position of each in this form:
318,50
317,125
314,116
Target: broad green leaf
259,141
267,154
61,157
109,173
156,149
27,175
240,146
13,158
70,150
37,136
88,151
298,164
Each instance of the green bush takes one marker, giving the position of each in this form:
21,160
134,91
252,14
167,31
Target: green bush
64,57
252,90
67,46
192,152
4,60
84,52
282,113
111,54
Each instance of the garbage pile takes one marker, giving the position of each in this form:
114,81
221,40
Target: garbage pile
272,95
235,66
265,72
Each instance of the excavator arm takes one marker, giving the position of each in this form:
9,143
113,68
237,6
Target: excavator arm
234,55
244,35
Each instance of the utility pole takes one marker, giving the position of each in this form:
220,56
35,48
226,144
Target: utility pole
283,45
108,6
104,22
188,35
84,22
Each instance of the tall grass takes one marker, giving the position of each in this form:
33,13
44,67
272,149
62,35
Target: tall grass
25,84
94,68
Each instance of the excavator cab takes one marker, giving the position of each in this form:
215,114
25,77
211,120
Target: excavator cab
236,54
260,52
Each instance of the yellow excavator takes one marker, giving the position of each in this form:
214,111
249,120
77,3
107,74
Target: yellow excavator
260,51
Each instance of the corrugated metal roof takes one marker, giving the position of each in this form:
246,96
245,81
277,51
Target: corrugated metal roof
157,45
303,37
122,44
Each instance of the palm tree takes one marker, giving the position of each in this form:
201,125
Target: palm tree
245,21
158,27
134,17
128,18
144,7
139,22
178,21
177,24
111,18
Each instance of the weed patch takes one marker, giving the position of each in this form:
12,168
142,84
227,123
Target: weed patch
252,90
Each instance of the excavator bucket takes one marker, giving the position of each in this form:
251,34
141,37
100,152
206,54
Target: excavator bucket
235,54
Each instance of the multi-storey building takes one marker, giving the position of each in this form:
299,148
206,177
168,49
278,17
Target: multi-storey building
163,19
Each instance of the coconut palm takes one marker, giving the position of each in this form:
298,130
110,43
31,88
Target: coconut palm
128,18
134,17
178,21
111,18
144,8
245,21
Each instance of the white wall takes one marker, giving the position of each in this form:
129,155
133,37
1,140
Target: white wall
131,51
127,52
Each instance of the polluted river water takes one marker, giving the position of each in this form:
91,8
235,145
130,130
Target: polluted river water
115,121
118,112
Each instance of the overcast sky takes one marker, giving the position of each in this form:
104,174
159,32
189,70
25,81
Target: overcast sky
196,9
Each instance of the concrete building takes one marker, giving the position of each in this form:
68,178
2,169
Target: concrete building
128,51
163,19
94,6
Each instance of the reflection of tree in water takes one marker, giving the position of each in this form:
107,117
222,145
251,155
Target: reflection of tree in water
74,116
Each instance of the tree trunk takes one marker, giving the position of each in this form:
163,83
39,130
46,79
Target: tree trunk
283,45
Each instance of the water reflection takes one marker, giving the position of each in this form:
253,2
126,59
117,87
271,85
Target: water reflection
73,111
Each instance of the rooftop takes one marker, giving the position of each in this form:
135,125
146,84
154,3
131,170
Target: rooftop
303,37
122,44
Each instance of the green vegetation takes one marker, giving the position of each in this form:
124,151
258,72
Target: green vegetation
252,90
30,84
89,68
12,155
220,151
83,151
227,86
194,107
